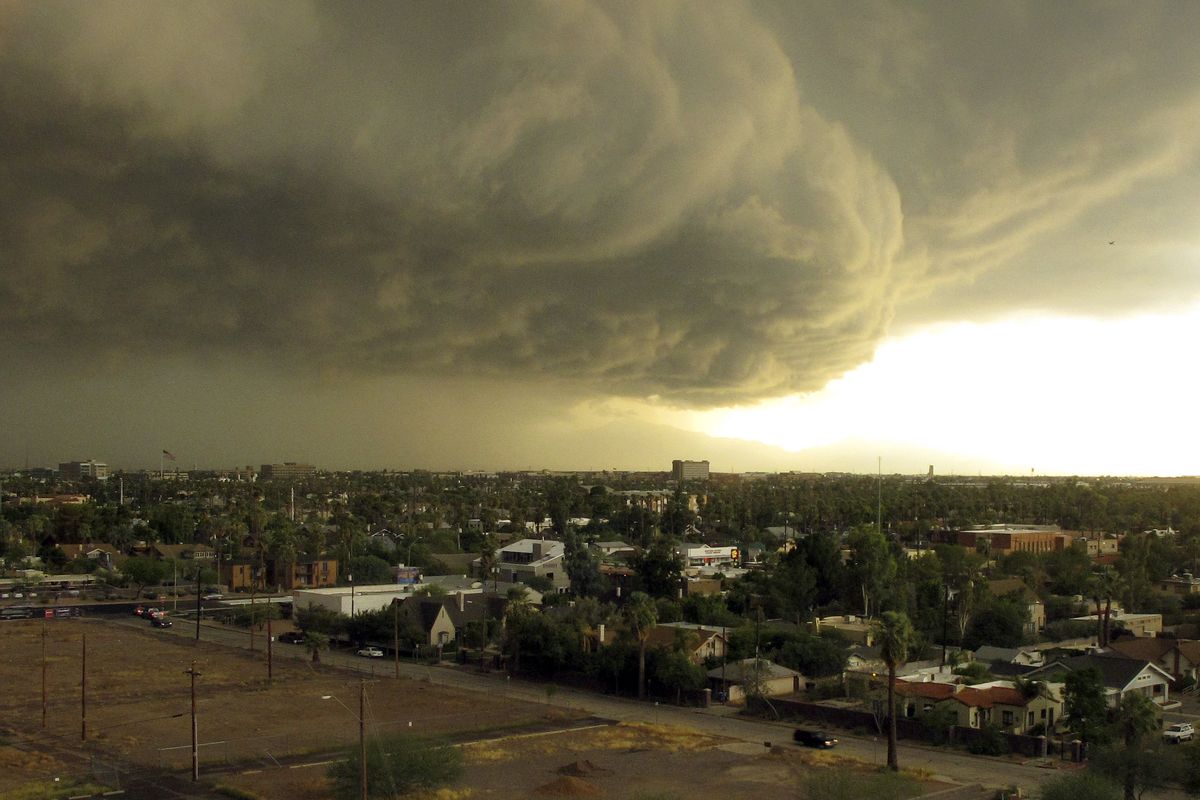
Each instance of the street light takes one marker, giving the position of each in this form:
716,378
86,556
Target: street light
362,731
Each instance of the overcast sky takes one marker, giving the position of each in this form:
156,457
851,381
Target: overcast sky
584,235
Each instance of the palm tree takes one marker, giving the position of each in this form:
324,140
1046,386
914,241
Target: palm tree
894,633
515,611
1136,717
641,615
1103,587
315,642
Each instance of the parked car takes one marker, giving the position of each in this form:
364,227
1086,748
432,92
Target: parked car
1179,732
371,652
160,622
151,595
811,738
292,637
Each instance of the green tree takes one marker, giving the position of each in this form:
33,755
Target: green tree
1084,703
314,643
674,670
640,617
872,566
1133,764
1103,588
894,634
143,571
660,568
396,765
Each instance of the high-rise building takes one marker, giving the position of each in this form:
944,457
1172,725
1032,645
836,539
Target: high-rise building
78,470
286,470
689,470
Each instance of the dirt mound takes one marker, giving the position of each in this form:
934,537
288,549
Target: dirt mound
582,769
568,786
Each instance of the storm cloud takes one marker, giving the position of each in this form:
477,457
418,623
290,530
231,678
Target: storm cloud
703,203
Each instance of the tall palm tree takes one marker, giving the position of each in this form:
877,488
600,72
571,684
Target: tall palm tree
515,610
894,634
1136,717
1103,587
641,615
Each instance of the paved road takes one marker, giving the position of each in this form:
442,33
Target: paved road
954,765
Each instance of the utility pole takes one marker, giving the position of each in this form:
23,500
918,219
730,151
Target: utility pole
362,734
270,643
43,674
83,692
396,635
195,731
198,602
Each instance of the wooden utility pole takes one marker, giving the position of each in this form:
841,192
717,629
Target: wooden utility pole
198,602
362,734
83,692
43,674
396,635
270,642
195,731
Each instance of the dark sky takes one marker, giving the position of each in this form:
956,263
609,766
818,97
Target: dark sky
452,234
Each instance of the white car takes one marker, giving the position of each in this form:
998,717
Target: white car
1179,732
371,652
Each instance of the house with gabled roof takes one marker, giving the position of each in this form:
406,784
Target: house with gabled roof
699,643
1121,675
1178,657
999,703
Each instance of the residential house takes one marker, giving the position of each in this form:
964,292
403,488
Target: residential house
771,678
1178,657
303,572
999,703
1137,624
1182,584
527,558
427,619
105,555
1023,657
1121,675
699,643
1035,609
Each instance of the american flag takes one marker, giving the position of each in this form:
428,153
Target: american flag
169,454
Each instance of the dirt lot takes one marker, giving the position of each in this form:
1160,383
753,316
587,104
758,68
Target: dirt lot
138,713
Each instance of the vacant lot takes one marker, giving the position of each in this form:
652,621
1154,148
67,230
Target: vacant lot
138,701
138,714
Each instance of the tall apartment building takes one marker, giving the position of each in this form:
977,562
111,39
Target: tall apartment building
78,470
286,470
689,470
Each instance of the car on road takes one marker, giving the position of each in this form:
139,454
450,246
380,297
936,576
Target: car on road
160,622
292,637
213,596
371,652
813,738
1179,732
139,611
154,613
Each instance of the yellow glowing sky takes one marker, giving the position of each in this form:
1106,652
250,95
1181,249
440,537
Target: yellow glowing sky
1055,395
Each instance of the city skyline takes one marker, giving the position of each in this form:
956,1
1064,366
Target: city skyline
775,236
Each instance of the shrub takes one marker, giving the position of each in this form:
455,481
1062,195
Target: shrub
396,765
991,742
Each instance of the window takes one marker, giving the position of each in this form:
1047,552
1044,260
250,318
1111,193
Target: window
1007,718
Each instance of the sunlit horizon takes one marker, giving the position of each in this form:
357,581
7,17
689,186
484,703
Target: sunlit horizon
1048,395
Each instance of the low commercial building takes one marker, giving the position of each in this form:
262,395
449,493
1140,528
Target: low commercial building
1137,624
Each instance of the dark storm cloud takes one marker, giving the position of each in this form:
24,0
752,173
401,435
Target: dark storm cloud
644,199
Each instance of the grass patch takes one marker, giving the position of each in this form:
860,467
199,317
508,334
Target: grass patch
51,790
